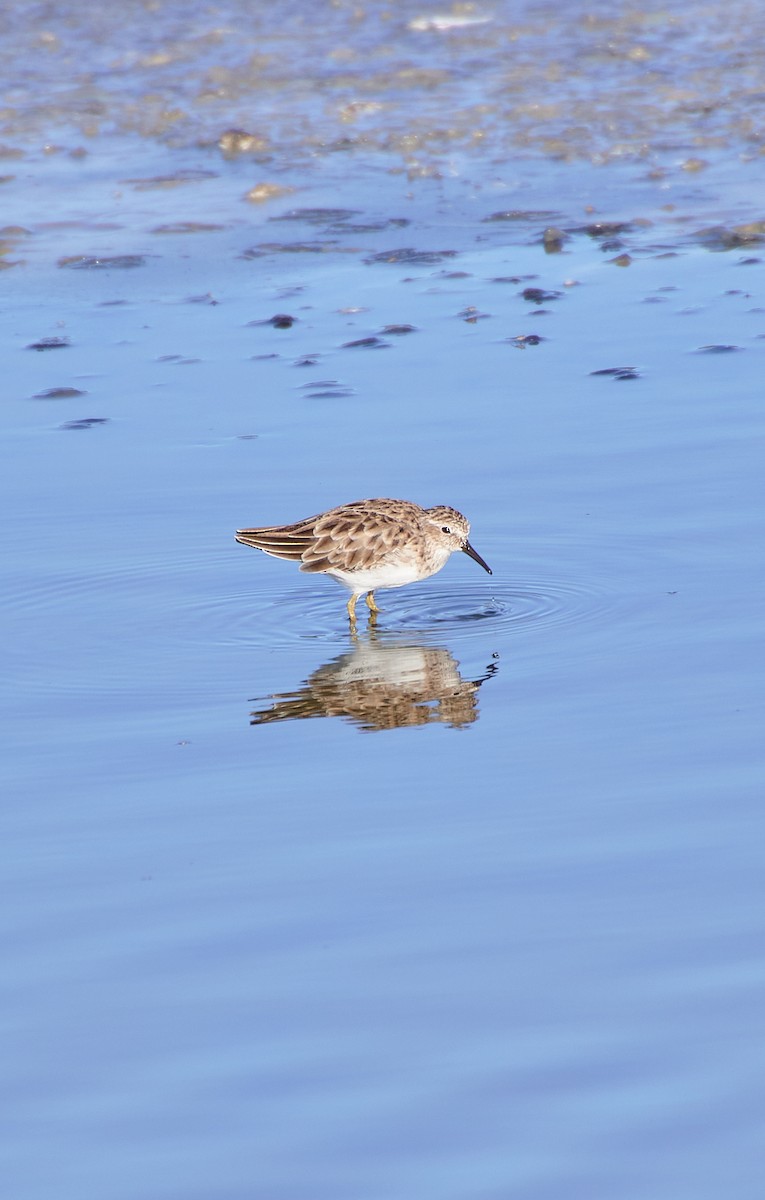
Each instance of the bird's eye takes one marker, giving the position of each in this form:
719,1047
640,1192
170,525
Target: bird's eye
445,529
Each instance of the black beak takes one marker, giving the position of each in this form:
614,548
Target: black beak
471,553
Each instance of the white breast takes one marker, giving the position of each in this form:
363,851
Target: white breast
386,575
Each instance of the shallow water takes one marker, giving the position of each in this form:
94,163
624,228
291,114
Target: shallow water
469,904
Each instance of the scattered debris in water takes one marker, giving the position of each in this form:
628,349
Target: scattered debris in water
600,230
444,22
694,164
238,141
318,216
189,175
84,423
411,257
472,315
722,237
50,343
522,340
553,239
618,373
264,248
366,343
187,227
59,393
538,295
266,191
278,321
358,227
327,389
518,214
87,262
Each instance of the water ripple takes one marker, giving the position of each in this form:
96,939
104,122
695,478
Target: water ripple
466,610
105,625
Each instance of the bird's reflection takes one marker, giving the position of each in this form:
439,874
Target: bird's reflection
383,685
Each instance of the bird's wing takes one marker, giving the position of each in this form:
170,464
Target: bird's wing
282,541
352,538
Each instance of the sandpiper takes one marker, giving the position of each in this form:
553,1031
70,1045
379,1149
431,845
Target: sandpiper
369,544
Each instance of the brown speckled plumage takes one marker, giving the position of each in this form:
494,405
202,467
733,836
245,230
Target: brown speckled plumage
369,544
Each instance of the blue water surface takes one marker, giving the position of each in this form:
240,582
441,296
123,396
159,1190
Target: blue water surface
467,905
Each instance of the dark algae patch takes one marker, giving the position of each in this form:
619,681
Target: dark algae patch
49,343
59,393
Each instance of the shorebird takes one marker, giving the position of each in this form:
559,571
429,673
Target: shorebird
369,544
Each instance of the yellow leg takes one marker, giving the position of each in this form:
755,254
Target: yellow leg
351,606
371,603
